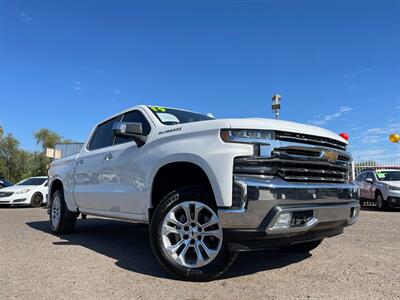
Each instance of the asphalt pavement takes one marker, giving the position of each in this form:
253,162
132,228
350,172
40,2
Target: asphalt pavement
107,259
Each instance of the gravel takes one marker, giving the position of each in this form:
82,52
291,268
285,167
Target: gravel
107,259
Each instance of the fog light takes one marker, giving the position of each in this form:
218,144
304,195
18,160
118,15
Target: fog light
284,220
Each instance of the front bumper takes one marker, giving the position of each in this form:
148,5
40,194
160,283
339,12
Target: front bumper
322,210
393,201
14,200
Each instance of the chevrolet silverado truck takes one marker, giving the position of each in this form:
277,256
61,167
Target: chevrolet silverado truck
209,188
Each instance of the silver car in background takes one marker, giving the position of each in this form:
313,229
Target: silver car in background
381,187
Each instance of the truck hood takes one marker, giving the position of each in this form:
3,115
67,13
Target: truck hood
270,124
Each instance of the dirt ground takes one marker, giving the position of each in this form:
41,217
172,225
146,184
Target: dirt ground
107,259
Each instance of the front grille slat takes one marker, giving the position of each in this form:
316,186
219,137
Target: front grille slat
309,139
313,179
301,170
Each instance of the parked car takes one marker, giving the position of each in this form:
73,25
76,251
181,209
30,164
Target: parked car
4,183
208,188
381,187
31,191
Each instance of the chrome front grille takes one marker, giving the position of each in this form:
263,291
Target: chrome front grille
298,163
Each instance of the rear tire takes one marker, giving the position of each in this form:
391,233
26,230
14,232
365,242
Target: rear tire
187,238
61,219
36,200
302,247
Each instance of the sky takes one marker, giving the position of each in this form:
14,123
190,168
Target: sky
66,65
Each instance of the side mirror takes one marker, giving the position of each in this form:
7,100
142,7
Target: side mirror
370,180
133,130
127,129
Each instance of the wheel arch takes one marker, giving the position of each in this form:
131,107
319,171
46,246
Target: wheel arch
55,185
177,174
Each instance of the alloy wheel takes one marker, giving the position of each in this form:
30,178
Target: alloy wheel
192,234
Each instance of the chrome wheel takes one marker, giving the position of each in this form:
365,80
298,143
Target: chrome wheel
56,211
191,234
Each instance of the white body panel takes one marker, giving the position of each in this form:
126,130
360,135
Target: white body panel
121,187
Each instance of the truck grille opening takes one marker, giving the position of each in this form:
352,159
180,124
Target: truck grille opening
298,164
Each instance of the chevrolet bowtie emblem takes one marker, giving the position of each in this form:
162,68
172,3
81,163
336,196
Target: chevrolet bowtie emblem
329,155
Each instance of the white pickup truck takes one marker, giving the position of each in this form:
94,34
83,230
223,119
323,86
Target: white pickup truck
208,188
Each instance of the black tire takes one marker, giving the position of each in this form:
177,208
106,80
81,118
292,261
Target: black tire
36,200
67,219
302,247
218,265
5,205
380,203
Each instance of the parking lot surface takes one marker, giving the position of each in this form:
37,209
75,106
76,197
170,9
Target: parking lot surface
111,259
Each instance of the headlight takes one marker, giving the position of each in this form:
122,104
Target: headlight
392,188
247,136
23,191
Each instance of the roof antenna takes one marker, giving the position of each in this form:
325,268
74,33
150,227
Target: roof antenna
276,104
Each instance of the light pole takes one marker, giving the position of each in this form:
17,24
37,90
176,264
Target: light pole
276,104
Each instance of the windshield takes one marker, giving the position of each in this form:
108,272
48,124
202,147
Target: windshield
169,116
32,181
388,175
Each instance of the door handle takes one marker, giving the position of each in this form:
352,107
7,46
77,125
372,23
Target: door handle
108,156
80,162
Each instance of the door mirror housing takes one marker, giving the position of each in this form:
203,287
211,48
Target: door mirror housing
132,130
370,180
127,129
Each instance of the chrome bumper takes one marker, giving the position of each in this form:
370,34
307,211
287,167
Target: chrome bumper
265,199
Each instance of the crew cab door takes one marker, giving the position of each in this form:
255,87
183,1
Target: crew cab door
109,175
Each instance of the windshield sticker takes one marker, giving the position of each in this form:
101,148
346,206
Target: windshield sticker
165,117
158,109
380,175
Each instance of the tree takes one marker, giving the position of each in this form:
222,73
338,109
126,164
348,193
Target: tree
17,164
47,138
11,165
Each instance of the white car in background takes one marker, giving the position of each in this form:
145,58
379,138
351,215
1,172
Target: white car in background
381,187
31,191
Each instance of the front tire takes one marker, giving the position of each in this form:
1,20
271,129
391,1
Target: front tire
187,238
302,247
61,219
380,203
36,200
